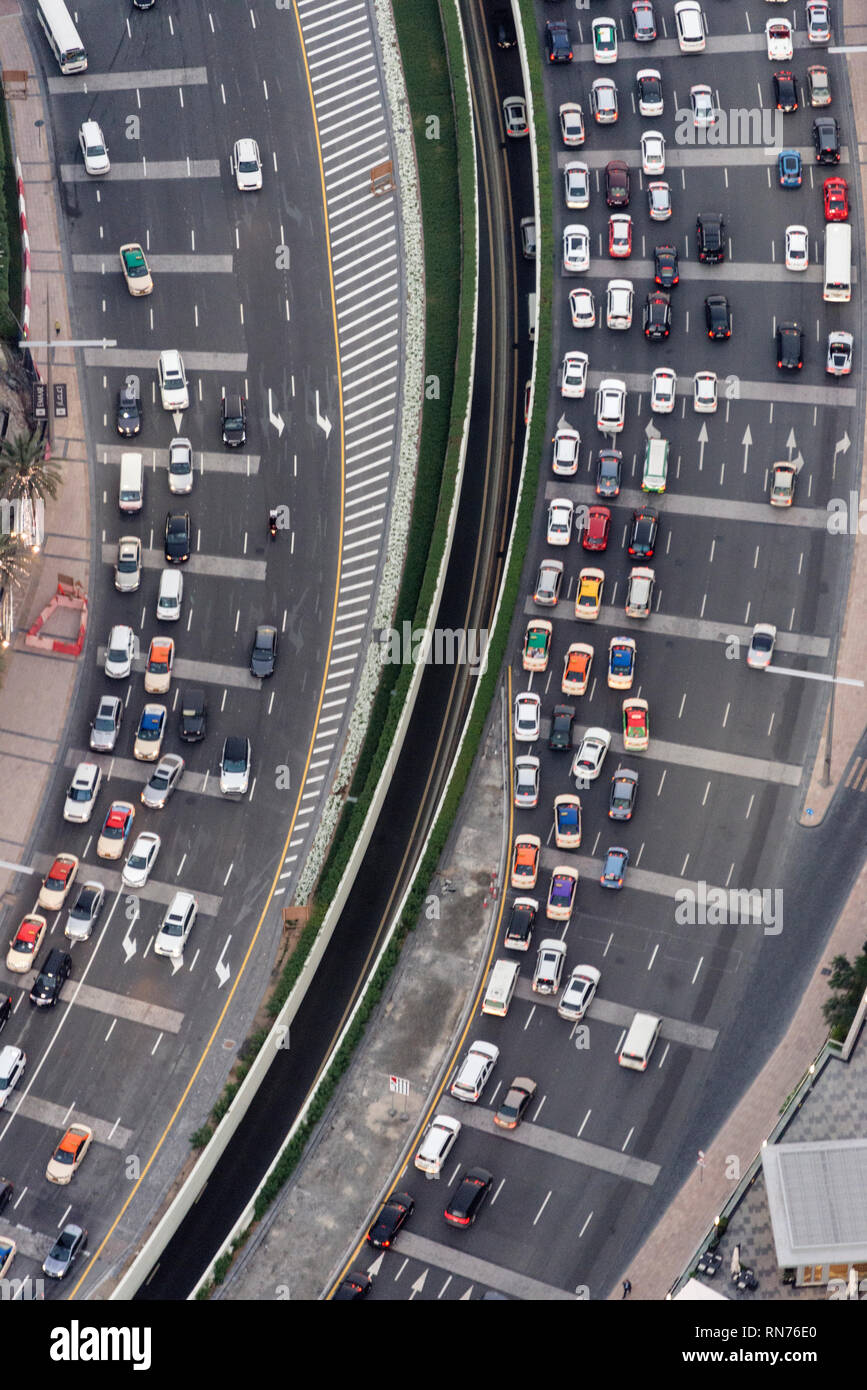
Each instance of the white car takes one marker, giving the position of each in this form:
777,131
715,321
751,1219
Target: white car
576,179
704,392
582,307
576,365
782,485
663,390
174,392
176,926
653,152
603,101
619,234
572,123
141,859
560,511
690,24
528,717
604,39
82,793
761,648
180,465
611,405
778,35
127,566
650,101
436,1143
565,458
576,248
838,361
526,781
247,165
703,113
93,148
587,763
818,21
119,652
797,248
659,201
578,994
549,965
618,304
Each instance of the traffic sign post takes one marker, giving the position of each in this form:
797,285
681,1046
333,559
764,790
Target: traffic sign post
399,1086
60,411
39,393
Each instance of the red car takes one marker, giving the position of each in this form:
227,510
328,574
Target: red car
596,532
836,194
620,234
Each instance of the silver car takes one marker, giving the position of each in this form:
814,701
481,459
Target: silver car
106,725
127,566
163,780
69,1245
526,781
576,178
180,465
84,911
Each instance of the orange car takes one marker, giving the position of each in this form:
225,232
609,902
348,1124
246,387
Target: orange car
68,1155
525,863
158,672
576,669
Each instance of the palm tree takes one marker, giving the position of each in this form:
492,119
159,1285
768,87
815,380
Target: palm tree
13,562
24,471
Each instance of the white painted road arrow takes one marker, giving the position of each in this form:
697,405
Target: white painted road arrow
702,440
322,420
276,420
222,970
747,441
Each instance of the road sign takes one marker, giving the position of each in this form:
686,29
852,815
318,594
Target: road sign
398,1084
40,400
60,400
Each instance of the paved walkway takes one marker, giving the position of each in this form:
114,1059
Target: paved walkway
37,689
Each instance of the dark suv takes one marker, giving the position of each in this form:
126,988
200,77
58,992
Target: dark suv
55,971
790,346
826,138
657,315
194,716
557,40
560,737
642,537
503,26
466,1200
710,235
718,316
233,421
666,272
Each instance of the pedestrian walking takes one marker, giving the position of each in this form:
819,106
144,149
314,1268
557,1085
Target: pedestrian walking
627,1288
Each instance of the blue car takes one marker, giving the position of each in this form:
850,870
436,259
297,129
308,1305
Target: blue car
789,165
614,869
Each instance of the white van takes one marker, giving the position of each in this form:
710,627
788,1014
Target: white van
639,1042
500,988
655,466
691,26
474,1071
838,263
531,307
131,494
170,594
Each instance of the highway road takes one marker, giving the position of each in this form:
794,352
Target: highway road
250,291
580,1184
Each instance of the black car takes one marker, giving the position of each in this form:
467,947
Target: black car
56,969
617,183
710,235
657,315
397,1209
355,1285
233,421
263,656
557,41
649,87
623,794
5,1010
466,1200
785,92
143,4
718,316
503,26
790,346
6,1190
560,737
608,472
642,537
128,417
178,537
643,21
826,138
666,270
194,716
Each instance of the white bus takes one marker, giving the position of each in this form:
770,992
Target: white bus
62,34
838,262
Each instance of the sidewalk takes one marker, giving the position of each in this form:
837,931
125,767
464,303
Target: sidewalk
37,689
